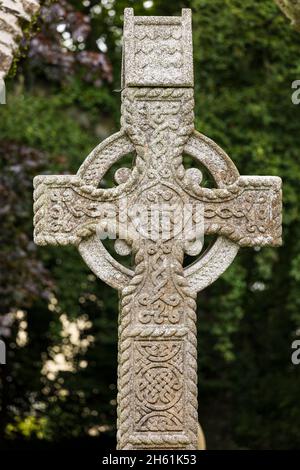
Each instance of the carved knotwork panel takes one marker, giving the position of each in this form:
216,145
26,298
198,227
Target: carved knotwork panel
159,299
247,212
159,385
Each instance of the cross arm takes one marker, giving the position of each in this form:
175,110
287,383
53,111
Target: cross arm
66,210
247,212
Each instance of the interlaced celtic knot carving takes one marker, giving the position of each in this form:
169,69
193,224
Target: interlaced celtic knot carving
157,371
159,385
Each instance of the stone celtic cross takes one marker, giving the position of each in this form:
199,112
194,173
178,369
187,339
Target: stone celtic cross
157,370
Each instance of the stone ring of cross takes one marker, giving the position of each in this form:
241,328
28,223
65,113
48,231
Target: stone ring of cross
157,371
214,261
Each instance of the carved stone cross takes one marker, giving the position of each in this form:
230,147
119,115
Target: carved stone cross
157,370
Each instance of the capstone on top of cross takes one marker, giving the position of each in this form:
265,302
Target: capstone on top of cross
157,50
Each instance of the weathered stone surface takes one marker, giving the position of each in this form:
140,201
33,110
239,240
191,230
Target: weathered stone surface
291,8
157,50
157,375
12,13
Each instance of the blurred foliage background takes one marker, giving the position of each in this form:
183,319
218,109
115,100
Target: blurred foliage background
59,322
